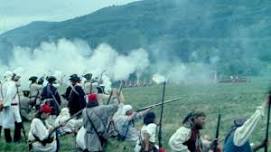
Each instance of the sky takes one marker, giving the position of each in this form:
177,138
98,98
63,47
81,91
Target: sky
15,13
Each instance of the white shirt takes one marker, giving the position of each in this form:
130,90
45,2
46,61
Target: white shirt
242,134
9,91
39,130
149,129
178,138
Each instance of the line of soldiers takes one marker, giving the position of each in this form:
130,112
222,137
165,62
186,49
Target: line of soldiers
95,117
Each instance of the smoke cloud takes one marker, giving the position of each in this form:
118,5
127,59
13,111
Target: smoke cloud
66,57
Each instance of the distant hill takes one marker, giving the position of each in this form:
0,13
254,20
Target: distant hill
237,32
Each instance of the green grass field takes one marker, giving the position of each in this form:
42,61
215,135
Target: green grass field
231,100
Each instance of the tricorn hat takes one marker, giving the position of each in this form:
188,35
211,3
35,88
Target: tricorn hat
74,78
33,78
51,79
88,76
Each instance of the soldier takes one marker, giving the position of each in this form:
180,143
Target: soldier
101,96
25,105
88,83
146,142
9,93
238,136
39,132
72,126
125,122
187,138
35,90
15,107
50,95
95,118
75,95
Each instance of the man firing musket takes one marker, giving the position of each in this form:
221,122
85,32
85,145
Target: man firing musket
238,137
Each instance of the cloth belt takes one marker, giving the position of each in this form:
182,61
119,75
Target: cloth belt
14,104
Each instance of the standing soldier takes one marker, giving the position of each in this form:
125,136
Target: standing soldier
75,95
9,93
88,83
50,95
15,106
25,105
35,89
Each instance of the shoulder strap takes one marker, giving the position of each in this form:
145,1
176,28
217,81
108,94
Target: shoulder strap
54,98
74,90
94,128
127,129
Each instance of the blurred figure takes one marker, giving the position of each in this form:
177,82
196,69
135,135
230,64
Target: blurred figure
8,93
40,129
88,83
238,137
187,138
51,96
125,120
25,105
71,126
147,138
35,90
93,135
15,107
75,95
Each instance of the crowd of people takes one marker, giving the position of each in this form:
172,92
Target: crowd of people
96,116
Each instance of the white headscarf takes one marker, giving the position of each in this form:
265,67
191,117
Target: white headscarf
126,108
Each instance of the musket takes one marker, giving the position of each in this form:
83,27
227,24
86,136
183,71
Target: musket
101,77
215,149
109,98
158,104
119,91
64,122
161,116
19,100
267,124
120,88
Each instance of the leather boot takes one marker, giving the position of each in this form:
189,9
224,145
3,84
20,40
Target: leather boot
7,135
0,130
17,131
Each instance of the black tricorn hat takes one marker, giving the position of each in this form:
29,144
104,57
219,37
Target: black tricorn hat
51,79
88,76
33,78
74,78
15,77
41,80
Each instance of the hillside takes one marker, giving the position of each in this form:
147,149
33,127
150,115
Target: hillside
237,32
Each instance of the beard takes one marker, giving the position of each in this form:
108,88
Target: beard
198,126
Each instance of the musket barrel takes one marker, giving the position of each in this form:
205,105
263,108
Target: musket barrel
158,104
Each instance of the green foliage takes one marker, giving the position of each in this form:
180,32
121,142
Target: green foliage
231,100
239,30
